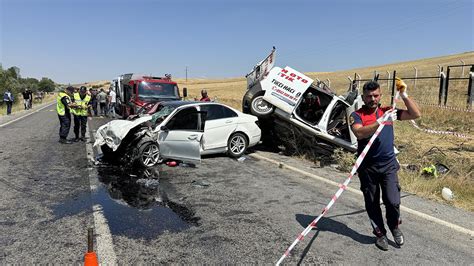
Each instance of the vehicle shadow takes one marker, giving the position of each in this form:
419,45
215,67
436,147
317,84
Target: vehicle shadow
330,225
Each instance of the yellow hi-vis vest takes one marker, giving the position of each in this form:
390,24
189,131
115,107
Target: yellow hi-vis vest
60,108
81,110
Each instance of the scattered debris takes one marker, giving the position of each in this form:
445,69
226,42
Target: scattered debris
187,165
149,183
434,170
200,183
430,171
447,194
171,163
241,159
441,168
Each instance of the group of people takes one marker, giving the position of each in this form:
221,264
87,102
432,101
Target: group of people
102,103
8,99
81,104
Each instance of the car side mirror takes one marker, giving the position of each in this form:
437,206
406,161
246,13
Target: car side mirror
164,128
185,92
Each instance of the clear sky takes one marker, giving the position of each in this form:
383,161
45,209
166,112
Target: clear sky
74,41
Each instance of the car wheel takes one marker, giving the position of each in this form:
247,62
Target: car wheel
148,154
260,108
237,145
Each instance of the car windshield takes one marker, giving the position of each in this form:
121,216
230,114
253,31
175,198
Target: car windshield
162,113
148,89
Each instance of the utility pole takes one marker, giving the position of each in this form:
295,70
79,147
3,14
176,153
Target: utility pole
186,73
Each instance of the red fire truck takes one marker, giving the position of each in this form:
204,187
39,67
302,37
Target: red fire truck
136,91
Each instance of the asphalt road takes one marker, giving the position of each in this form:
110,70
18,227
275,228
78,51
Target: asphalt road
224,211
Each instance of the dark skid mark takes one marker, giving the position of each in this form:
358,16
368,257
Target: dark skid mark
136,205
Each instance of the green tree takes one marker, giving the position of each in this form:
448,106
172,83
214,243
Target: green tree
31,83
46,84
8,79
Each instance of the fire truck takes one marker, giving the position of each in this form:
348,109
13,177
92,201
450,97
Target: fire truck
137,91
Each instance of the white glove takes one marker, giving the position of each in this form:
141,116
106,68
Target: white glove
390,116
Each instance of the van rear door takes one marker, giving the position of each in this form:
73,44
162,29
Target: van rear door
284,87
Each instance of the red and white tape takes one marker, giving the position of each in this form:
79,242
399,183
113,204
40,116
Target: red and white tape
341,189
440,132
446,107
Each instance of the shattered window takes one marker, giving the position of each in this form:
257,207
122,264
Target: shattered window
159,116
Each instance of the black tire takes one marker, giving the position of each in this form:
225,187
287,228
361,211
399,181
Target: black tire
237,145
148,154
261,108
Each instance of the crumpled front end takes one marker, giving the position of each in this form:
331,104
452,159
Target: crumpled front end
113,133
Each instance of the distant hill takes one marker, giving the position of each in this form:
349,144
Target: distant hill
105,84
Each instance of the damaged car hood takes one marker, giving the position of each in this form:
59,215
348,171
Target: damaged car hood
115,131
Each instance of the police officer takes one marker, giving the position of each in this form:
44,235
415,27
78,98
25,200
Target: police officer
81,99
378,171
63,106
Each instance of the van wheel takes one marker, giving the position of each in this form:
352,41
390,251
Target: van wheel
261,108
148,154
237,145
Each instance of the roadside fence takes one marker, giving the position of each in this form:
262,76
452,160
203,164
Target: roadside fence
451,89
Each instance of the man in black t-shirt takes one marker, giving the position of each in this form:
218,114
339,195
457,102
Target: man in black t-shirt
26,96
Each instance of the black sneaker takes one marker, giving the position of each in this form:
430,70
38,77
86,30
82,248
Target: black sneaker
398,236
76,139
83,139
65,141
382,242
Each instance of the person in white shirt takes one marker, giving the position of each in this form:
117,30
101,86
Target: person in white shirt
112,101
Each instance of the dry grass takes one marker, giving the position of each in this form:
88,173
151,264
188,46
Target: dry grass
227,91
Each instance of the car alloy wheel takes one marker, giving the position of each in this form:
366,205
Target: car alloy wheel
237,144
260,107
150,154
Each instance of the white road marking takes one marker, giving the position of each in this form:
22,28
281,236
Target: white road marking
406,209
21,117
104,242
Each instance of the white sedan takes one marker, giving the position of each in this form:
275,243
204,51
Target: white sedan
179,130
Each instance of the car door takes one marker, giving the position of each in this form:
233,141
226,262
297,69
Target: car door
220,123
180,136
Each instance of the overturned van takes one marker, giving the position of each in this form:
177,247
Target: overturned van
292,107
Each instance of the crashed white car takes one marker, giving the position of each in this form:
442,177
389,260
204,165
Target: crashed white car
181,131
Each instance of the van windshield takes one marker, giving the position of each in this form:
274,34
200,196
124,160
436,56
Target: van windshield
157,90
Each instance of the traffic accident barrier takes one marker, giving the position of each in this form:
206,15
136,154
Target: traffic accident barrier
341,189
90,258
440,132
